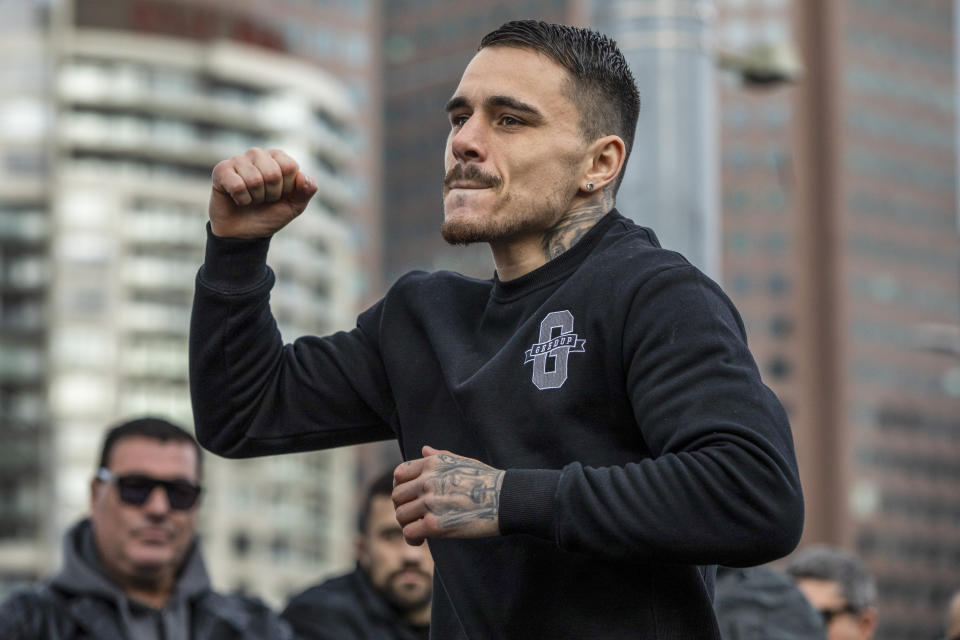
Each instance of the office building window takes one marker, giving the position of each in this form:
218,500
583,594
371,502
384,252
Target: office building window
779,367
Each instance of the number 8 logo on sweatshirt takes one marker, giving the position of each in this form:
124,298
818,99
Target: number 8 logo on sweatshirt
549,356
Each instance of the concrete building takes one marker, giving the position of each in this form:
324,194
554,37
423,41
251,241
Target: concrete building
841,250
25,71
340,36
103,191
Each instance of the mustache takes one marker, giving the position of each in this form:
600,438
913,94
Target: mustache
409,567
471,174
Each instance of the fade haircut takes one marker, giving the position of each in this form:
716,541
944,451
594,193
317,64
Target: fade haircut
601,83
821,562
381,486
153,428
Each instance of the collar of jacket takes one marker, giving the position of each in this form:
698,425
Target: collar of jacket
97,617
377,606
218,614
214,616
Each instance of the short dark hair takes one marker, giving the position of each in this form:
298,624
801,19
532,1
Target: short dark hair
382,485
821,562
602,85
147,427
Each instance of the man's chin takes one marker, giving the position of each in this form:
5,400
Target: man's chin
458,231
411,600
147,561
469,224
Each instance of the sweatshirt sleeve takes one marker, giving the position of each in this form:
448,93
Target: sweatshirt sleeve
721,485
253,395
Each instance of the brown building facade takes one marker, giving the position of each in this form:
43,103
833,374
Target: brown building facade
841,249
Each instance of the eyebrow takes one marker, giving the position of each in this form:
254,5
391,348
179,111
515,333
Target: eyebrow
459,102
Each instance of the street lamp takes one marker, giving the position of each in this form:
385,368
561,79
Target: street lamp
763,65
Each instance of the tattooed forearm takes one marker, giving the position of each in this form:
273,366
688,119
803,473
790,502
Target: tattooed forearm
575,224
465,478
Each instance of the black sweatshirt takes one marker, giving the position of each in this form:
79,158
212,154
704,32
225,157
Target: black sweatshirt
613,384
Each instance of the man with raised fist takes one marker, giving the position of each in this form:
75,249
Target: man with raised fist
586,434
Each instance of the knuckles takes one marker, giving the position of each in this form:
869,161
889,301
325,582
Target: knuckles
431,525
272,178
283,165
237,190
286,163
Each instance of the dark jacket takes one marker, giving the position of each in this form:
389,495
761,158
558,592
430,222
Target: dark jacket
614,386
347,608
760,603
81,603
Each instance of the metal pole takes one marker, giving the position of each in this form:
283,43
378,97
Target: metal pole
671,180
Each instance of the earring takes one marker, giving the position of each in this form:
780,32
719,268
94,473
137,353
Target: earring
589,186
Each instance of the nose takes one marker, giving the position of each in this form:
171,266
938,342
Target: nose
157,503
467,143
414,555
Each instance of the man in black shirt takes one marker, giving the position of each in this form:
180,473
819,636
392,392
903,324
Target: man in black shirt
386,598
586,434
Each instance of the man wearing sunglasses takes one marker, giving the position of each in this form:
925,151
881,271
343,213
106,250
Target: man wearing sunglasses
134,569
840,588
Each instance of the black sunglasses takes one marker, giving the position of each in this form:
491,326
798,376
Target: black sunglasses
830,614
136,488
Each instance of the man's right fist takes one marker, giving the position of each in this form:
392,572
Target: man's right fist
258,193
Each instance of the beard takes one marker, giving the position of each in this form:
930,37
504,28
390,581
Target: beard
508,217
402,601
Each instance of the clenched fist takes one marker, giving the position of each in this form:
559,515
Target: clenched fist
257,193
444,495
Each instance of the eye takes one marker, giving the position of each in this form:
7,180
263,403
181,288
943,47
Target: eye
510,121
458,120
392,535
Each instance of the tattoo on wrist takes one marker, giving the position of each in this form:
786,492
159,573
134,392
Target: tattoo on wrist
475,481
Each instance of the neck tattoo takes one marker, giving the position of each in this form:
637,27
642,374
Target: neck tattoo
573,226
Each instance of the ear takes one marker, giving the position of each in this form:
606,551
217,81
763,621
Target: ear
605,159
360,547
94,483
868,622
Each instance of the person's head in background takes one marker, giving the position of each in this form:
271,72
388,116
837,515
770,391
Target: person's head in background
952,622
839,586
143,505
762,603
401,573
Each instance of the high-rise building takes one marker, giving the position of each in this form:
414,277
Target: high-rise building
25,71
841,250
107,141
340,36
